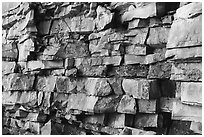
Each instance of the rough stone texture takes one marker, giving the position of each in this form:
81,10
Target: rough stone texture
127,105
17,81
65,84
147,106
104,17
74,49
46,83
8,68
116,85
186,71
141,89
97,87
136,50
158,37
129,71
101,68
160,70
107,104
146,120
180,128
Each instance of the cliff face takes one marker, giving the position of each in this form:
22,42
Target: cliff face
102,68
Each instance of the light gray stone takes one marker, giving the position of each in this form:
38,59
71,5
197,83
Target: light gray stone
141,88
190,10
150,9
133,59
191,93
182,36
8,67
97,87
104,17
127,105
186,112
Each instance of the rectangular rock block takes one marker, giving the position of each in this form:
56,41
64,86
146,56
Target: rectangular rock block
184,53
18,81
92,71
97,87
191,93
129,71
118,120
132,59
182,36
160,70
53,64
8,67
136,50
147,106
137,36
9,51
186,112
142,120
141,88
186,71
46,83
19,97
158,37
82,102
113,60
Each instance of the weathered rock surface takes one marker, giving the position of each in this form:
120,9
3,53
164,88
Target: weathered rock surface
127,105
147,106
141,89
186,71
180,36
107,104
18,81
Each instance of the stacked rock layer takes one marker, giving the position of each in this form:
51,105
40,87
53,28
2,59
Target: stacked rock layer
132,68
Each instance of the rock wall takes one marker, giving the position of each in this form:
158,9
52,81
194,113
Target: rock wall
102,68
